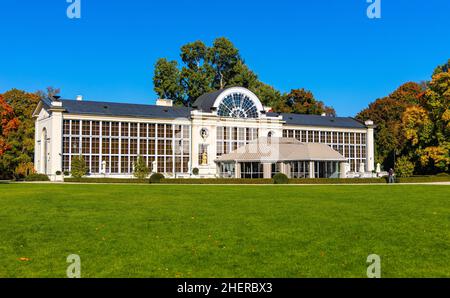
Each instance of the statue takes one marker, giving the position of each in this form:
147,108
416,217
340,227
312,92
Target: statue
204,158
362,168
103,167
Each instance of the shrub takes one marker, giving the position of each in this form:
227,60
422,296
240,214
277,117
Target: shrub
443,175
403,167
195,171
66,173
338,181
37,177
423,179
141,170
58,173
280,178
23,170
216,181
156,178
106,180
79,168
271,181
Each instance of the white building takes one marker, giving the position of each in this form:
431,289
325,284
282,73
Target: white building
227,133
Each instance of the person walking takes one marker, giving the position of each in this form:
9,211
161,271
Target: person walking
391,176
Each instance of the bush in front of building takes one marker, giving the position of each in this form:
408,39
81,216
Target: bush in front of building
78,166
23,170
280,178
140,170
36,177
106,180
217,181
195,171
156,178
442,175
423,179
404,167
338,181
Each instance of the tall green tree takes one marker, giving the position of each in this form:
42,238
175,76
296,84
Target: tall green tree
223,56
207,69
302,101
197,75
166,81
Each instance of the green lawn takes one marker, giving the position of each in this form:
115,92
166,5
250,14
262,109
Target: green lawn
224,231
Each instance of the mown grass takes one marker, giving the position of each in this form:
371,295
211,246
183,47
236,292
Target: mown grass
224,231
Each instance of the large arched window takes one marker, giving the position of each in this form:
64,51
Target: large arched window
237,105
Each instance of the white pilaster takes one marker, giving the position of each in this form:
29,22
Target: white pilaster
370,158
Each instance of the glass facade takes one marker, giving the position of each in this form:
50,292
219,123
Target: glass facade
237,105
118,144
252,170
351,145
231,138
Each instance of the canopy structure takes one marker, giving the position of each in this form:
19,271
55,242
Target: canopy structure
282,149
264,157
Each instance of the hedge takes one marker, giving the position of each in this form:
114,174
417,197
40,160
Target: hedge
338,181
217,181
423,179
414,179
105,180
36,177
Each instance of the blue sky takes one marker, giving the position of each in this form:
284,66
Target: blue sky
329,47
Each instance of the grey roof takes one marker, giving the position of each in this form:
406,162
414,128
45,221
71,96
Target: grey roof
124,109
317,120
206,101
282,149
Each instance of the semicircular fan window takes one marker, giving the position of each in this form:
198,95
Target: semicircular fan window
237,105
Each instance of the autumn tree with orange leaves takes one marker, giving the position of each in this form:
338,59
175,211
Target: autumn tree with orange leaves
8,124
414,123
16,131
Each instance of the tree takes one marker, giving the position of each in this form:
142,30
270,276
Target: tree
427,126
78,166
404,167
197,76
442,68
19,138
387,115
167,80
301,101
49,93
8,124
268,95
223,56
207,69
413,123
23,170
417,126
140,171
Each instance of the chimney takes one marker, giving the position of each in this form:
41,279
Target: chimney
79,98
164,102
56,102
